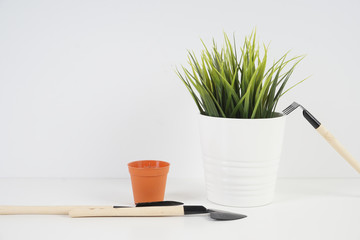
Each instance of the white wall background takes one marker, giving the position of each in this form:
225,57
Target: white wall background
87,86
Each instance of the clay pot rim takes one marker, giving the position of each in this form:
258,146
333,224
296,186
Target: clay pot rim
161,169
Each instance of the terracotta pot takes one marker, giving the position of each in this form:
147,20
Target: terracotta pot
148,179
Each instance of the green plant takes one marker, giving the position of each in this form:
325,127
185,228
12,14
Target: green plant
223,85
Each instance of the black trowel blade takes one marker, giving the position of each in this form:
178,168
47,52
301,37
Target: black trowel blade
225,216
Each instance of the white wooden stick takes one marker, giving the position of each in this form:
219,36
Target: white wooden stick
338,147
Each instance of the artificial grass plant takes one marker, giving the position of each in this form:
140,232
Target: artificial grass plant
225,85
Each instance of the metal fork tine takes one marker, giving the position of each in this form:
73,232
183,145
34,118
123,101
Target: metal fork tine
287,109
290,108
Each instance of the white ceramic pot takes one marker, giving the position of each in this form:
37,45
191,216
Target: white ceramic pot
241,158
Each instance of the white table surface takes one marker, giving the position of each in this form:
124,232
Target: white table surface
303,209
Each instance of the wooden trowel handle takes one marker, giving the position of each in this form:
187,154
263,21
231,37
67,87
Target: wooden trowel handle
55,210
338,147
128,212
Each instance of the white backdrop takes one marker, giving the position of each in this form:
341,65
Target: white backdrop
87,86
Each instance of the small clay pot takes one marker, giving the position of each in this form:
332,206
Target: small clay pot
148,179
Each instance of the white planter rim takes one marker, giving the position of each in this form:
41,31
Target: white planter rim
278,115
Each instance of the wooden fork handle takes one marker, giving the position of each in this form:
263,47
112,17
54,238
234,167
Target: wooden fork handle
128,212
55,210
338,147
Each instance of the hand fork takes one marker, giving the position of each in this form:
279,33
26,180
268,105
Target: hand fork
326,134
